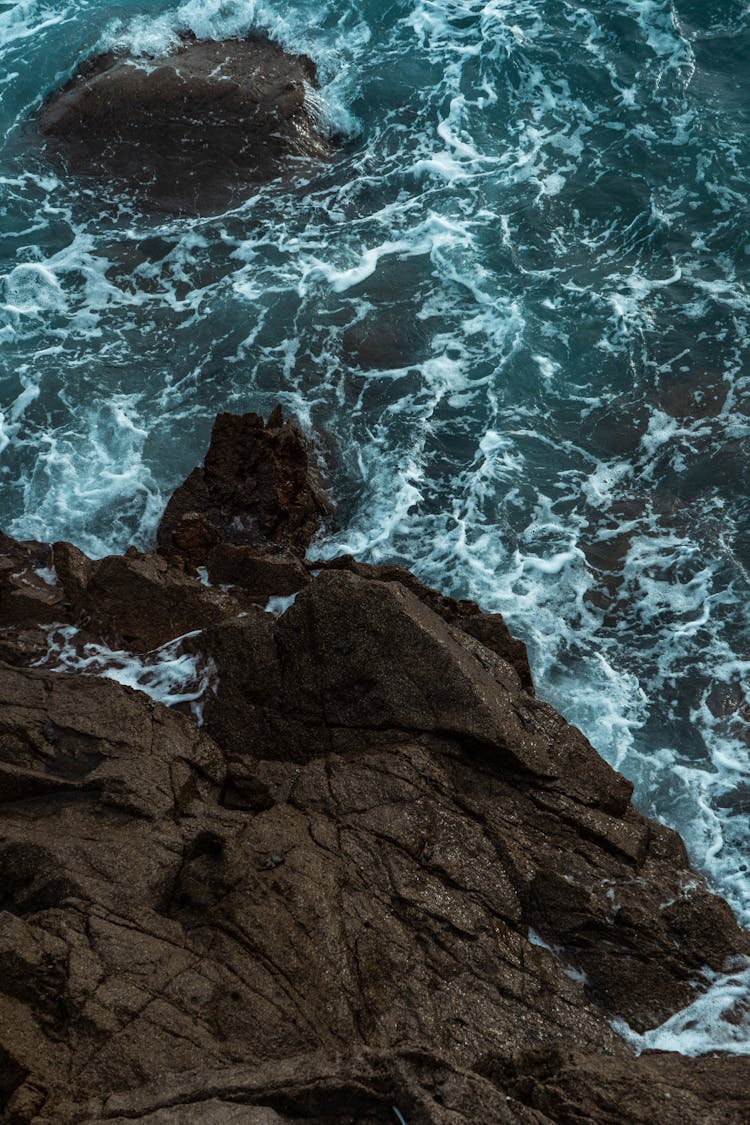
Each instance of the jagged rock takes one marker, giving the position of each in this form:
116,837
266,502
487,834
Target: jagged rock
489,628
32,598
384,877
195,129
30,594
134,601
262,575
257,488
425,1089
96,783
357,939
362,666
139,601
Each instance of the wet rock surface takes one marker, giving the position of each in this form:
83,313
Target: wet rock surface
258,488
194,130
382,876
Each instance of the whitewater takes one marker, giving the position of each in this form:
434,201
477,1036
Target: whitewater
513,314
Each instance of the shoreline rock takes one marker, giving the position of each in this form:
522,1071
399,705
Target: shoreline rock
383,874
258,488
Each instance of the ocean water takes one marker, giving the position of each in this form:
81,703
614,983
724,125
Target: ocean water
514,311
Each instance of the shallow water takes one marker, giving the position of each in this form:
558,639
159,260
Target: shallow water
514,309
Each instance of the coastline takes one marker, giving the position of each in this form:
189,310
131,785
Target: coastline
372,871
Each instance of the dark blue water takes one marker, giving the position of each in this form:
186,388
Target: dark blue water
514,310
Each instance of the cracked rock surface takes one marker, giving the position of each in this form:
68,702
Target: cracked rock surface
383,876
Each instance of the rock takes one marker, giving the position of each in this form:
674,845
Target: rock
135,602
355,937
97,790
572,1088
262,575
384,877
32,599
30,593
489,628
311,1088
257,488
141,601
362,667
194,130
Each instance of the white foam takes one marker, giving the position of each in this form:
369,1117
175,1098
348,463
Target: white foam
76,485
278,605
718,1020
167,674
225,19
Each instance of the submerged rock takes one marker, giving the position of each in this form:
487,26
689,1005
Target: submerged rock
194,129
384,875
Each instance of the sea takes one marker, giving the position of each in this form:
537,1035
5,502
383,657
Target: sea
512,312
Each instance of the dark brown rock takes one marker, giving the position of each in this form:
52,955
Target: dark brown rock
572,1088
139,602
360,665
489,628
354,937
30,593
426,1090
135,601
262,575
384,878
257,488
193,130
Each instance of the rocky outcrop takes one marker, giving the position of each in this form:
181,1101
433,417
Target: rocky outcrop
258,488
193,130
134,601
383,882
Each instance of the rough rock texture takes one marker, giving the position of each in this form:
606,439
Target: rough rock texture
191,130
140,601
570,1087
262,575
134,601
257,488
384,876
476,781
29,593
489,628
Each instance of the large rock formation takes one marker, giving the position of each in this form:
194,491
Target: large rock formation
384,882
191,130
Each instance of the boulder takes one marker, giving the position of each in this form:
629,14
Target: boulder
134,602
139,601
489,628
258,488
361,671
194,130
571,1088
30,593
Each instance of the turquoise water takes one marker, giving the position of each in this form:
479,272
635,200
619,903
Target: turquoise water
514,310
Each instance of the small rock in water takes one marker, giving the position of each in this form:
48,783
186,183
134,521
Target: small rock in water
193,131
258,487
